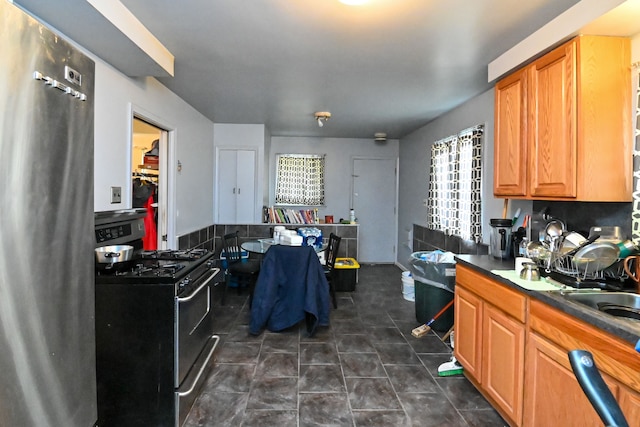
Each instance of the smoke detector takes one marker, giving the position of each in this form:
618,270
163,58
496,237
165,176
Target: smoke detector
321,117
380,137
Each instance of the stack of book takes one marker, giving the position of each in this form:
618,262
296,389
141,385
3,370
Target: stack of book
279,215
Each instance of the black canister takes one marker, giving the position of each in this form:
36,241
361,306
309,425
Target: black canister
500,238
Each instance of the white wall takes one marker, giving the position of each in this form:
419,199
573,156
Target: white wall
340,153
415,161
193,138
116,95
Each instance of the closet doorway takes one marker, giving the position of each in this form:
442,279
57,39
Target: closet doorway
148,180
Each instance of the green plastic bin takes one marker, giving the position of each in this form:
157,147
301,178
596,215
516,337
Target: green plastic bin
429,301
434,288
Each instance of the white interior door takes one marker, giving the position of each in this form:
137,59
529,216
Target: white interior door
374,200
144,132
163,192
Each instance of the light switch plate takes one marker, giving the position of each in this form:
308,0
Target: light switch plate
116,195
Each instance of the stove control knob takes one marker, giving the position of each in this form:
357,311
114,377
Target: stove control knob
184,283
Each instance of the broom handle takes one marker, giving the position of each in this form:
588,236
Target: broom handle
447,334
439,313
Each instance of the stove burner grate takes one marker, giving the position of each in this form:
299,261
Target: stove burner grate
171,254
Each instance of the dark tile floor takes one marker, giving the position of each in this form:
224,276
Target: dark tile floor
365,369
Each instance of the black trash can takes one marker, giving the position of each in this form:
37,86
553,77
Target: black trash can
434,275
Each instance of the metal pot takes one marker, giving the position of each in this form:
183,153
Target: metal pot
113,254
554,229
571,240
538,251
530,272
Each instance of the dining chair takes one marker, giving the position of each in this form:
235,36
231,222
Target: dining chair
331,253
244,271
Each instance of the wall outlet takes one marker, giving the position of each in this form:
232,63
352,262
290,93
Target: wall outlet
116,195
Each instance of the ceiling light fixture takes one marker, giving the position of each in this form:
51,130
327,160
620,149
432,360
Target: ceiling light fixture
321,117
354,2
380,137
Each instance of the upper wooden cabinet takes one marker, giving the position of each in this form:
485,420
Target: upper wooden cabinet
563,124
510,149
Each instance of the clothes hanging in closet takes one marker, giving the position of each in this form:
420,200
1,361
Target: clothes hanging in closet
150,239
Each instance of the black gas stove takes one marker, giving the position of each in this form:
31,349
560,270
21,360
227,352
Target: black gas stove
154,340
171,267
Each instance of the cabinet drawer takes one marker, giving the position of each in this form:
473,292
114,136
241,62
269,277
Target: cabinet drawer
508,300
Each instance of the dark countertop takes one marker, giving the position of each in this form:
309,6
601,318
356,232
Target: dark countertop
627,330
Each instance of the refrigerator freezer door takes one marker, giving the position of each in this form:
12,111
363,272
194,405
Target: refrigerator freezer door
47,339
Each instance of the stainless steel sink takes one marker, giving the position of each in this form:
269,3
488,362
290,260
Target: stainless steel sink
618,304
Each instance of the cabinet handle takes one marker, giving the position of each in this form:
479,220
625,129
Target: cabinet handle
234,190
238,190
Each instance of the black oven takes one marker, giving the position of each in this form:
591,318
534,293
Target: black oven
154,341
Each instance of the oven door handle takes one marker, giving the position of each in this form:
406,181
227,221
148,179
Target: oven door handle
202,368
205,283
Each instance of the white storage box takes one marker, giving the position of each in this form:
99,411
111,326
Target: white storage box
291,240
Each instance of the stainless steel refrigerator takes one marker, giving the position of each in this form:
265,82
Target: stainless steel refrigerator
47,338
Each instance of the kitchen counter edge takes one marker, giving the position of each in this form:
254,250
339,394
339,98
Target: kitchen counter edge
623,329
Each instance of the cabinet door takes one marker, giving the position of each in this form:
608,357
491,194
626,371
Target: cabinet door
553,396
468,327
552,139
245,183
236,186
630,405
226,186
503,361
510,140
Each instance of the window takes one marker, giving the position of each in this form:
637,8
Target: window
455,183
300,179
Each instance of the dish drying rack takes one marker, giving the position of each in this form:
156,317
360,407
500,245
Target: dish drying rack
587,270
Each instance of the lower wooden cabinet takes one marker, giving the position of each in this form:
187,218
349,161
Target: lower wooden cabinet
550,382
489,343
630,404
553,396
513,348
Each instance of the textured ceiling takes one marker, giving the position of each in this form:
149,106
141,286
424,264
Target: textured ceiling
390,66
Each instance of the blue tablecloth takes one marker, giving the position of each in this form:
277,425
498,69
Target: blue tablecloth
291,287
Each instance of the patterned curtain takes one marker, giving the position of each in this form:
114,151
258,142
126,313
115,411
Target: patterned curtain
455,184
300,180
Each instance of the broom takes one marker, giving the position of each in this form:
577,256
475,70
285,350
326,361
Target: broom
424,329
452,367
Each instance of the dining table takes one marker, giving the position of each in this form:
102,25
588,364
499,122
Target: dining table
260,246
